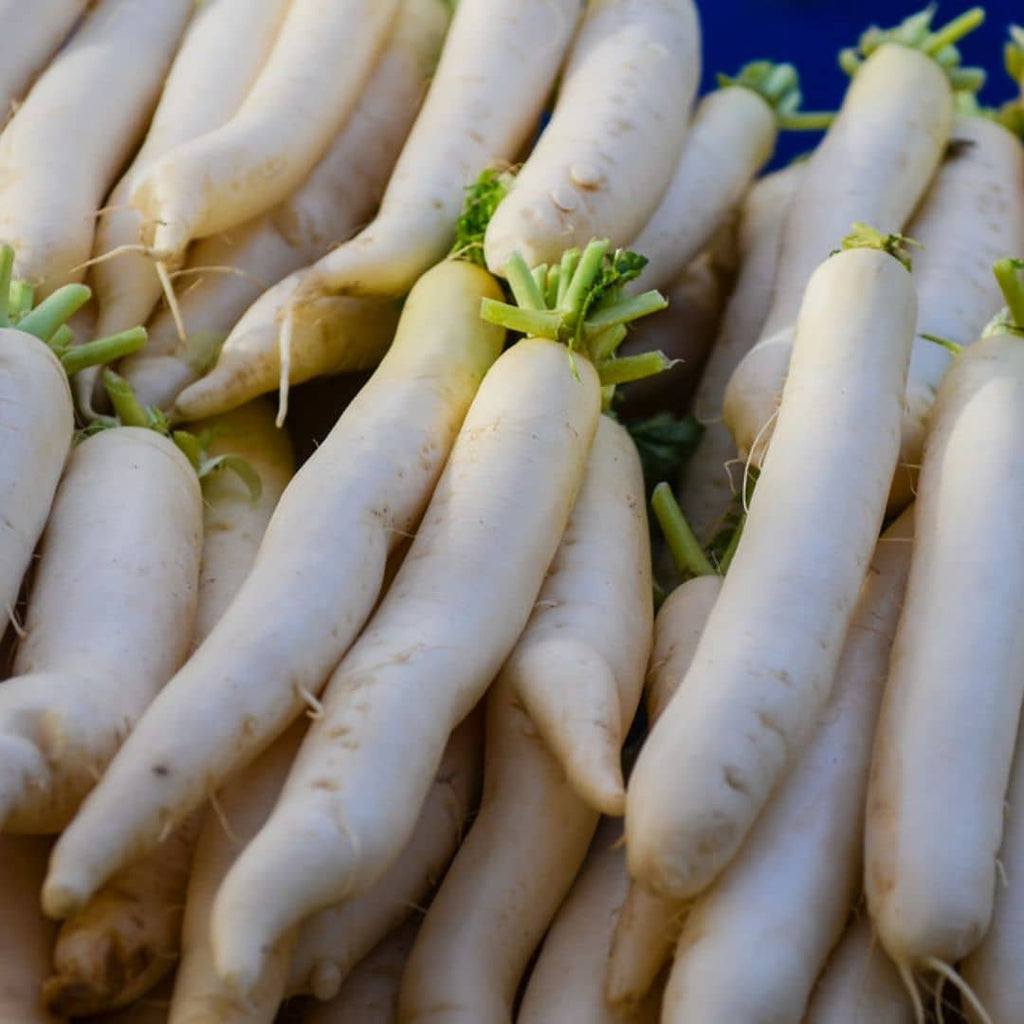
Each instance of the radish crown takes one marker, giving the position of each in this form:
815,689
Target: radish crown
1010,320
48,321
779,86
864,236
482,199
579,302
129,412
916,33
1010,115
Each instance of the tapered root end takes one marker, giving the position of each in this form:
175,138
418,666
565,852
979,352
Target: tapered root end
74,997
61,899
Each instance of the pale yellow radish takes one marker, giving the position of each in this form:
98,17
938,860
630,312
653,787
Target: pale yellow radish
754,689
308,85
799,871
315,581
567,981
711,475
126,938
630,75
110,618
221,54
425,658
32,32
511,873
334,941
859,984
102,84
337,198
931,888
579,666
26,936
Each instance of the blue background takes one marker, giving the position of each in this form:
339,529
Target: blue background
810,33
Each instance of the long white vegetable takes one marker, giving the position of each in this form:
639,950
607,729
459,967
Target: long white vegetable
614,138
755,688
315,581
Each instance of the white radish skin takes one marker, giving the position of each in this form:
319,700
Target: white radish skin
38,421
648,925
799,871
500,59
370,993
221,54
104,84
754,690
567,982
930,889
336,199
518,861
873,166
26,936
498,513
109,620
729,140
362,491
706,485
994,969
579,666
127,936
307,88
241,809
331,943
633,68
972,215
860,984
32,32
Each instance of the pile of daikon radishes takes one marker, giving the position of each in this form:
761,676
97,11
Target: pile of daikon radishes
424,731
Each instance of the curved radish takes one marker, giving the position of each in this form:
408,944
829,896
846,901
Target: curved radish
798,872
119,945
859,984
333,942
32,33
873,166
706,485
337,198
103,83
110,618
632,69
308,86
930,891
578,668
349,505
504,887
499,62
26,937
649,924
222,52
370,994
513,474
731,137
567,982
753,691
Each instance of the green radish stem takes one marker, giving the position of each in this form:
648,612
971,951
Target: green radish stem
579,302
685,548
779,86
1007,272
864,236
915,32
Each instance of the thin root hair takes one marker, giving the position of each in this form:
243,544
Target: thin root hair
172,301
118,250
314,709
216,268
218,809
910,984
940,967
762,435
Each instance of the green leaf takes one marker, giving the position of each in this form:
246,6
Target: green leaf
664,443
482,199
